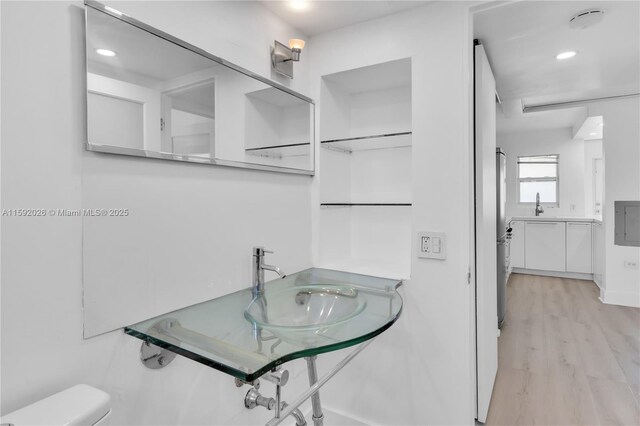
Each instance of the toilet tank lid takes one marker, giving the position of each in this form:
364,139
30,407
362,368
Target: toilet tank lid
79,405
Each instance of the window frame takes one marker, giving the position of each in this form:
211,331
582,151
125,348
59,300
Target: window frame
544,179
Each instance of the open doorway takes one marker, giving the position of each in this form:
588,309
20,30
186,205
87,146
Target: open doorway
566,85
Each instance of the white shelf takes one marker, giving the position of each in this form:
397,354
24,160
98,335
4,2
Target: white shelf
279,151
326,205
365,143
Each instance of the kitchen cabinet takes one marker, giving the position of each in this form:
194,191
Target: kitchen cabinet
517,244
572,246
545,246
579,237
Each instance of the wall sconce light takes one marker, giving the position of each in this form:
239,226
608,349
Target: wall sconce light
283,57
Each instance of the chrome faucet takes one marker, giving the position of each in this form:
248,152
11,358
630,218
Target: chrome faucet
539,209
258,270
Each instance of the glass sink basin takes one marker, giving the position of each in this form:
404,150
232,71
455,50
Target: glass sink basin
305,314
305,308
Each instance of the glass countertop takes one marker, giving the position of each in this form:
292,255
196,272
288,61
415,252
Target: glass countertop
307,313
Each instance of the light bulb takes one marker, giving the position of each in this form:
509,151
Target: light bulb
566,55
105,52
299,5
296,43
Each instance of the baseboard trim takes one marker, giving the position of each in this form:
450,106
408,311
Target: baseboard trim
572,275
620,298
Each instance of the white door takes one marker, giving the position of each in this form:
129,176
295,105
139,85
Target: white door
136,110
485,235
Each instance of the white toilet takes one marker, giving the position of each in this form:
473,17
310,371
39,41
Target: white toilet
80,405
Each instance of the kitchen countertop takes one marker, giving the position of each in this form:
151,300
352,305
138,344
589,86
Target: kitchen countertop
555,219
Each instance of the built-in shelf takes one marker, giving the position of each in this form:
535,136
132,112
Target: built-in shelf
287,150
365,204
362,143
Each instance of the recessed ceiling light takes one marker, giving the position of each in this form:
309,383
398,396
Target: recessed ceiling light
566,55
105,52
601,124
593,134
299,5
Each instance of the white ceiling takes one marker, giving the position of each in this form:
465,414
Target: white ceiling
139,53
315,17
522,39
555,119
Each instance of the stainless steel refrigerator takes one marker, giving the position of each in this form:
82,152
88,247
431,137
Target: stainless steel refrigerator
503,234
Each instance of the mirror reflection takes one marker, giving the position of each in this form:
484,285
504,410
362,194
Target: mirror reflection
277,128
149,95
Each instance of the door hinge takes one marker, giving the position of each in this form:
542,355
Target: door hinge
469,276
162,124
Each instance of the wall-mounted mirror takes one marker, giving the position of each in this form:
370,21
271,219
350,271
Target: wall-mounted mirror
152,95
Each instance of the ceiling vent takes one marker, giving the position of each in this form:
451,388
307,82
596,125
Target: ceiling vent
586,18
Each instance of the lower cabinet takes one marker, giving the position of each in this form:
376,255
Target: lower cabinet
545,246
556,246
579,257
517,244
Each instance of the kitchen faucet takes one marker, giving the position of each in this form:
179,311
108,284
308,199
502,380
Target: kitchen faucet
539,209
259,267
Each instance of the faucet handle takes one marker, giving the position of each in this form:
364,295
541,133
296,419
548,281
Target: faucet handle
260,251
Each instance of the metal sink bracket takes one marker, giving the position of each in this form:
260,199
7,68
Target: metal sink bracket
155,357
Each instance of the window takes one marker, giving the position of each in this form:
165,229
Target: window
538,174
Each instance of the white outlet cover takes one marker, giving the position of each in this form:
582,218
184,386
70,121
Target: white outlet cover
432,245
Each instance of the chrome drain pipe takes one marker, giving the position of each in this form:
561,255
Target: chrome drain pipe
297,414
254,399
323,380
318,417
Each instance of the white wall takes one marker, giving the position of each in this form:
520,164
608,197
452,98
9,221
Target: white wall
426,357
571,169
43,165
378,112
621,145
419,371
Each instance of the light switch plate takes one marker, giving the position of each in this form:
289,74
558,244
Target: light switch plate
432,245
